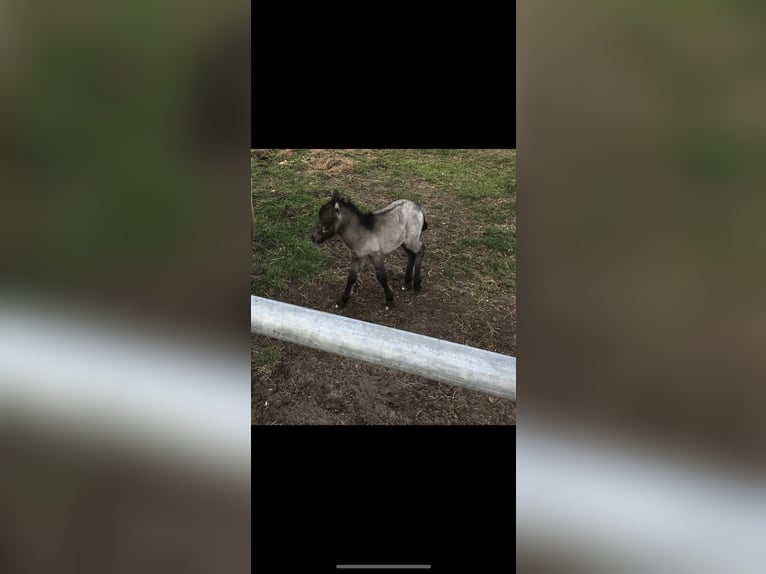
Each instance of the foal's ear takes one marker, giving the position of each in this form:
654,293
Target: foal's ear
336,198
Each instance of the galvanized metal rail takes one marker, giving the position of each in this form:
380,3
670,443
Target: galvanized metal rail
435,359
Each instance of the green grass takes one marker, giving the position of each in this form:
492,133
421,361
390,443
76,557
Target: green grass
486,258
267,355
284,214
476,187
470,174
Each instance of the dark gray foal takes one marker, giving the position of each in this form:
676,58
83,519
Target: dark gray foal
372,235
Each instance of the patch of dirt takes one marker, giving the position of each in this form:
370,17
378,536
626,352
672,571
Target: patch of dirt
328,162
272,154
312,387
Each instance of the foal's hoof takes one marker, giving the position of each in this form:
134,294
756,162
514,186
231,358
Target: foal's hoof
417,286
389,305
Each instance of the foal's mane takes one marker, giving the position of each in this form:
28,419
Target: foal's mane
367,219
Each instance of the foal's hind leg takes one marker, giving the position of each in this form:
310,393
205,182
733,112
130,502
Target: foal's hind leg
380,273
418,262
408,272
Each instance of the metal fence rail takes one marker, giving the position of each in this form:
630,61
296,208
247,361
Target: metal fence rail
434,359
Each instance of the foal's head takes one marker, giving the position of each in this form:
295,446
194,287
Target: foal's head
329,219
336,215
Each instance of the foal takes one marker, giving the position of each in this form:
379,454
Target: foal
372,235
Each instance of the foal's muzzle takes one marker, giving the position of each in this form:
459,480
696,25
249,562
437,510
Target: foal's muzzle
318,237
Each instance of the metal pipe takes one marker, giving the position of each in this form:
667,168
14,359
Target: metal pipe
435,359
125,386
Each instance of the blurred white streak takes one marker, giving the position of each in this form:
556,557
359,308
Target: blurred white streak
591,501
101,383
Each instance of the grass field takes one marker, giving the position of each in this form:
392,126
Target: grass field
469,271
290,185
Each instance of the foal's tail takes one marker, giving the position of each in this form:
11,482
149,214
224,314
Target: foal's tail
425,223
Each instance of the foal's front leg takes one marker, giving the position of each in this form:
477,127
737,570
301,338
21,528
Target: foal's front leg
380,273
356,265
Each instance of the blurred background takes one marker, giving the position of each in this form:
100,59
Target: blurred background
124,245
124,249
641,145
